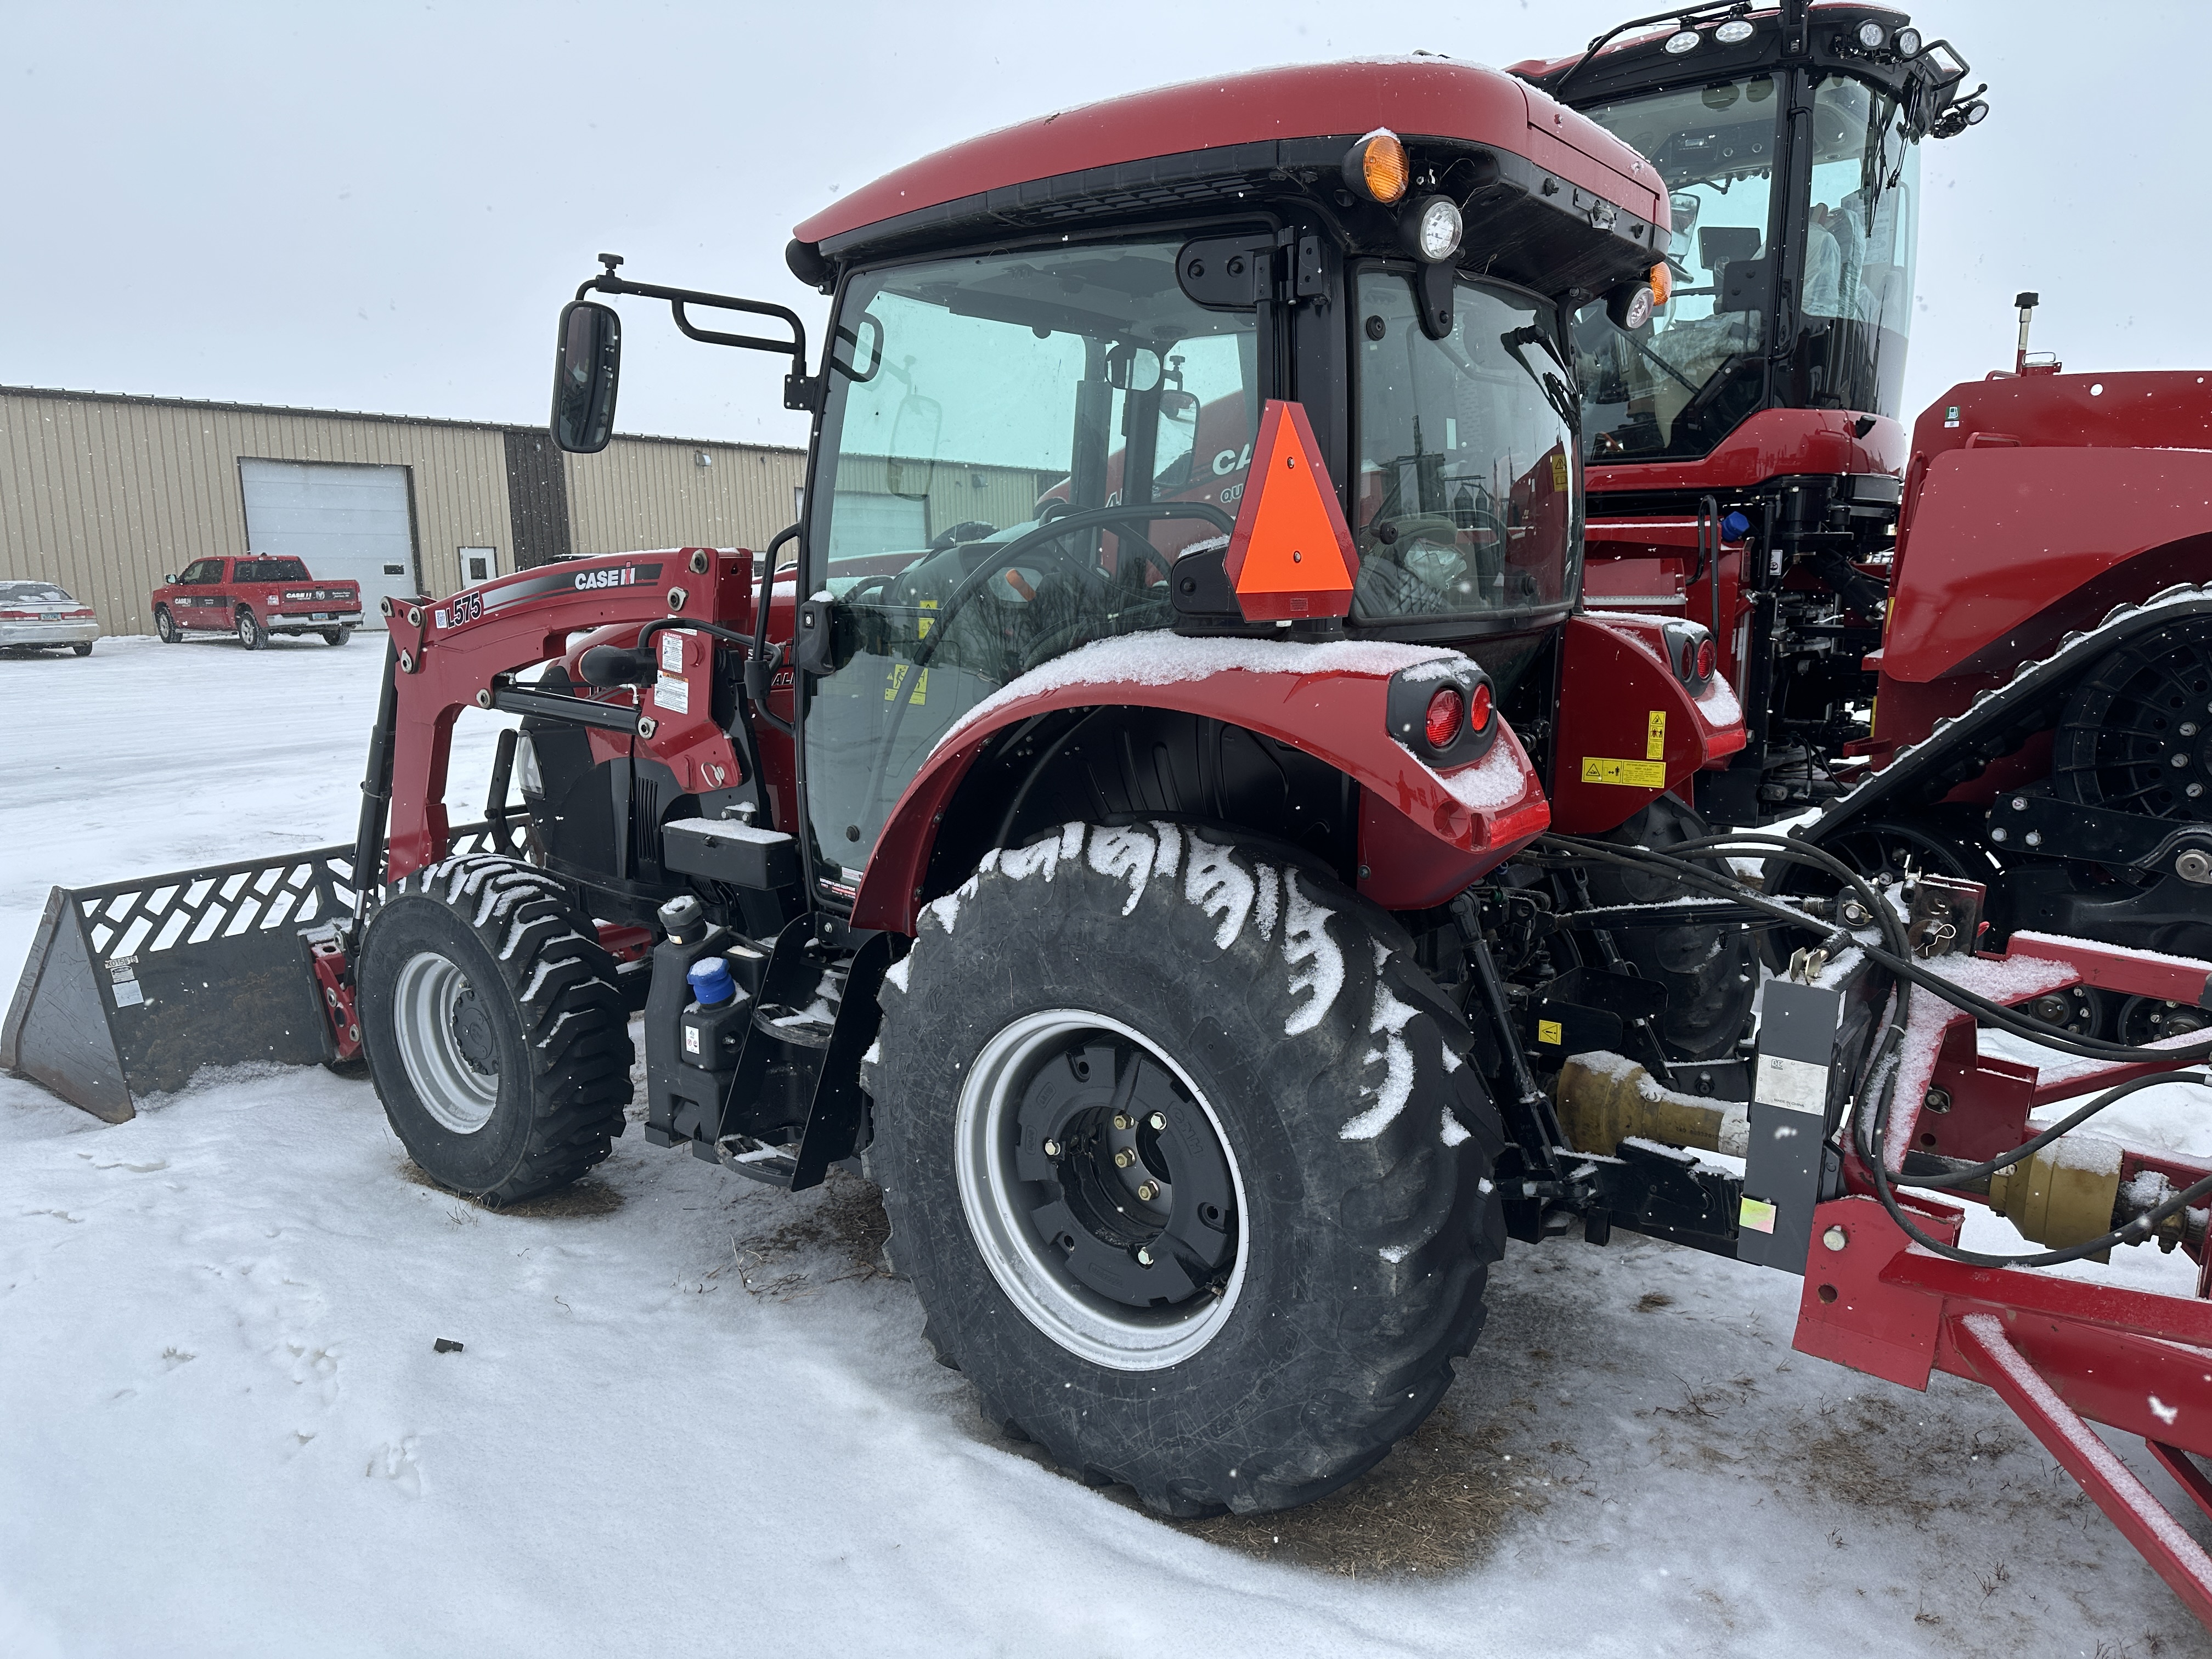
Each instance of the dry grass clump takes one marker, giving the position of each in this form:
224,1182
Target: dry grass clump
1440,1502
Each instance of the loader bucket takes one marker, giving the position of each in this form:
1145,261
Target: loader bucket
134,985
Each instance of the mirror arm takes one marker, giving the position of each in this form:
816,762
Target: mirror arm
801,390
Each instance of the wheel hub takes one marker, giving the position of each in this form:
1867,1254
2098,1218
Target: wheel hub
1100,1189
447,1041
472,1033
1112,1134
2136,734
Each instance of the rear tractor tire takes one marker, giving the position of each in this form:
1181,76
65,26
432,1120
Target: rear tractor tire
251,634
1183,1158
495,1034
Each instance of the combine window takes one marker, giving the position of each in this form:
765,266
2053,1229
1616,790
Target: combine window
974,402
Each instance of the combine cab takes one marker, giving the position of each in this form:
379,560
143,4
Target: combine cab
1178,826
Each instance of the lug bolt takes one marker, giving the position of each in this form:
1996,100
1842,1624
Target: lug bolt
1052,1149
1144,1255
1124,1158
2178,760
1998,834
2035,838
1122,1121
1834,1238
1149,1191
1159,1120
2019,803
2194,791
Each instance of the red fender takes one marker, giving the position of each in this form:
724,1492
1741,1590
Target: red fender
1439,831
1630,730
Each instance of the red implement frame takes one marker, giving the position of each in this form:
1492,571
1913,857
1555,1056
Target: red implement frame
2062,1352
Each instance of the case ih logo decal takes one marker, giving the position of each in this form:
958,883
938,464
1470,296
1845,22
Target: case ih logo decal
479,603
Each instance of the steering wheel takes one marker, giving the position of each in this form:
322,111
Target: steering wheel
968,530
1053,530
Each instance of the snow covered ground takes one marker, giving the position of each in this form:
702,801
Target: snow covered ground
688,1417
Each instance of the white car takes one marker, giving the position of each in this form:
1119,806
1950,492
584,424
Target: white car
39,614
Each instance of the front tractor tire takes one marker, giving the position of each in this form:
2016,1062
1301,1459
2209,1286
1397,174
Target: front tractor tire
251,634
1185,1162
496,1037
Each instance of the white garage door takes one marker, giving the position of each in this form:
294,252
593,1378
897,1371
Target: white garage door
342,520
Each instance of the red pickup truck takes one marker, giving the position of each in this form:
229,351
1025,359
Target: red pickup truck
253,598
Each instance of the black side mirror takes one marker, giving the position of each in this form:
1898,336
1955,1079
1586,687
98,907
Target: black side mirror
586,366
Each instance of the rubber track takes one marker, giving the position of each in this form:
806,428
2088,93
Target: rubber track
1920,766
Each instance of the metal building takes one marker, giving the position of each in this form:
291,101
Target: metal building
108,493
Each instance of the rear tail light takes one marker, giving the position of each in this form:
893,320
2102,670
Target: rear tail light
18,615
1442,711
1708,658
1447,713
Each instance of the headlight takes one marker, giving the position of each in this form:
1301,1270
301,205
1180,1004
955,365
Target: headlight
1685,40
1734,32
1433,229
525,767
1872,34
1908,43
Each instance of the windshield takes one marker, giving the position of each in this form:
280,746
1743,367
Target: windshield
1677,384
1859,252
33,593
1466,504
973,518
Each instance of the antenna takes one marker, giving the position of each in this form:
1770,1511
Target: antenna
2027,303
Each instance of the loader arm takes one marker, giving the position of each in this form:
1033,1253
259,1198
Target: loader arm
464,652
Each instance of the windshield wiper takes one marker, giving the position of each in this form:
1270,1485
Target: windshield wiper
1556,390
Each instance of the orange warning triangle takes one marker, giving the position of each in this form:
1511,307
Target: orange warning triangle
1290,555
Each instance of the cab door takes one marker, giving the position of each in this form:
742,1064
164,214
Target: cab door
201,596
1005,474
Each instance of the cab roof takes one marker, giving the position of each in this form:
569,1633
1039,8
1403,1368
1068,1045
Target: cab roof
1205,141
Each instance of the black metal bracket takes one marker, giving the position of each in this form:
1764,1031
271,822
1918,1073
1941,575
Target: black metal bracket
801,390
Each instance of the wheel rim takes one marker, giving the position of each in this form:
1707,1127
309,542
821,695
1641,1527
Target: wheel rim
2136,735
1126,1279
247,628
446,1042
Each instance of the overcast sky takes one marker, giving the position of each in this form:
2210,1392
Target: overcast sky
382,207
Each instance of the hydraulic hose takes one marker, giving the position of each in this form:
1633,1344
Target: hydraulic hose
1868,1127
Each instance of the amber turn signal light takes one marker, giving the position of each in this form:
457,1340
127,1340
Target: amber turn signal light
1662,284
1376,167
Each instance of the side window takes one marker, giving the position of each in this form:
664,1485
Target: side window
201,573
1022,445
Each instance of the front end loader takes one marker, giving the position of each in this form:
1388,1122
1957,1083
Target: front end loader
1178,829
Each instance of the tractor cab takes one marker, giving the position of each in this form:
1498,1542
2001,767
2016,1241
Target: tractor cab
1037,420
1789,141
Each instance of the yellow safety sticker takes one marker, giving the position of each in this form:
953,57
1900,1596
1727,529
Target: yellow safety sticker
1548,1030
1635,775
1558,468
1655,735
1756,1215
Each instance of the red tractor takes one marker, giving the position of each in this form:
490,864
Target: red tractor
1217,932
1870,591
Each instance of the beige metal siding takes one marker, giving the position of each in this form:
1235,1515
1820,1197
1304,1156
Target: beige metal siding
652,492
105,494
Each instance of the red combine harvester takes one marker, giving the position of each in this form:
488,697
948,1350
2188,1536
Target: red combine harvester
1216,931
1867,591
